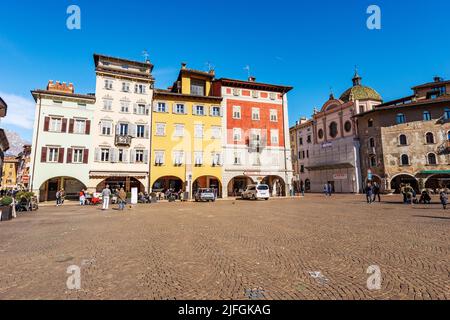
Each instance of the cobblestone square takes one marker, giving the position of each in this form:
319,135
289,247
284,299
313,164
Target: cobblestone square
303,248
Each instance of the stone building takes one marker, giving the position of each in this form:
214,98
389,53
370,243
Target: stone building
23,167
4,144
301,144
408,140
334,155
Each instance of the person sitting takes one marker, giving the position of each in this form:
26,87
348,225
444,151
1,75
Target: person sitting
425,197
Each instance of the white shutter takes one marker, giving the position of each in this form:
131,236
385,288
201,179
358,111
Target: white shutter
97,155
112,155
132,156
117,129
133,130
100,127
221,111
147,132
174,108
146,156
147,109
124,156
134,108
155,107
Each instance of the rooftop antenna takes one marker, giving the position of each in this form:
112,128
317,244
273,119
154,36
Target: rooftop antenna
247,67
145,55
209,66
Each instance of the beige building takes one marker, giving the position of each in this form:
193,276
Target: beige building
408,140
301,144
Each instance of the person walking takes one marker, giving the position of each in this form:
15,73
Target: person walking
330,189
376,192
444,199
122,199
369,193
325,189
302,189
82,198
58,198
106,194
63,196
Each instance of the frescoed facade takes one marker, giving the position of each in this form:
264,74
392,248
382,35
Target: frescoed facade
187,135
256,140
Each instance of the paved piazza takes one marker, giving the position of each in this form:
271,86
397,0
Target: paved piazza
311,248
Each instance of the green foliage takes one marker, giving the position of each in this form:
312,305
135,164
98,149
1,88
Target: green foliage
6,201
24,195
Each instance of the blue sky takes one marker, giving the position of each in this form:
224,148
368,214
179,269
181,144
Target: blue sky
311,45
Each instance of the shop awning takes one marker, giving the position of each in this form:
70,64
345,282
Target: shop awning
435,172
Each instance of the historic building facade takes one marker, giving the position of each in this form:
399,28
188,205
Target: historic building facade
9,178
122,124
23,167
301,145
407,141
187,135
62,141
256,138
4,144
334,157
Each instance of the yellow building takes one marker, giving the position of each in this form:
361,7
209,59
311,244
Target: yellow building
9,179
187,135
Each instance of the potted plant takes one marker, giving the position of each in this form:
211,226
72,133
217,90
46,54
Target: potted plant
6,208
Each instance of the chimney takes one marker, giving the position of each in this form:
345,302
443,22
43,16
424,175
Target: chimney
438,79
251,79
183,65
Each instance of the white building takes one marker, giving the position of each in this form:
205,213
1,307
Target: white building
122,121
62,139
301,146
256,136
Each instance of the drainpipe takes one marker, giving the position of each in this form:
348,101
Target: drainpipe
286,177
35,144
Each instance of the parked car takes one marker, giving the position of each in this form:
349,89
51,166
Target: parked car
256,192
205,195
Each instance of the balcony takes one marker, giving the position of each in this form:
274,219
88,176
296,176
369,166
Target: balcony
124,141
444,148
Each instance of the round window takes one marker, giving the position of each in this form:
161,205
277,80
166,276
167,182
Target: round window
348,126
333,130
320,134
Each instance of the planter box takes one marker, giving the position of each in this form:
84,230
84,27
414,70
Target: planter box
5,213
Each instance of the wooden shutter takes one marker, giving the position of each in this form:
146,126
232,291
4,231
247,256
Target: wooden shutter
64,125
69,155
146,156
61,155
47,124
44,154
132,156
85,156
97,154
88,127
71,124
147,132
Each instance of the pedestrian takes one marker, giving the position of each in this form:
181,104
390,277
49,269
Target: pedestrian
106,193
82,197
330,189
325,189
302,189
376,192
369,193
58,198
63,196
122,199
444,199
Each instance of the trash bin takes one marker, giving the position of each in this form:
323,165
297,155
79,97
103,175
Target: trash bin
5,213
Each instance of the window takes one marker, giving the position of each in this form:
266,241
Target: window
140,131
309,139
53,155
216,132
141,109
272,96
216,159
199,110
161,107
197,87
274,115
348,126
236,92
160,129
432,159
106,128
320,134
236,112
107,104
125,87
373,161
426,116
447,113
104,155
256,159
80,126
237,158
333,130
159,158
215,111
403,140
55,125
139,88
109,84
429,137
400,118
178,158
139,156
301,141
198,158
274,138
255,94
198,131
372,143
124,106
255,114
302,169
121,155
179,130
123,129
448,135
404,160
179,108
77,156
237,134
370,123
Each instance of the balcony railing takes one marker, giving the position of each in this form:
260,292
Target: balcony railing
444,148
122,140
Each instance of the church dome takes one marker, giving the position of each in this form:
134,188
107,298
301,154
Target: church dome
360,92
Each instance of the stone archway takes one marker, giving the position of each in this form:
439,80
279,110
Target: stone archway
208,182
162,184
115,183
404,179
438,181
276,185
237,185
71,186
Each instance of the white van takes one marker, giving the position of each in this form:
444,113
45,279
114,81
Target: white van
256,192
